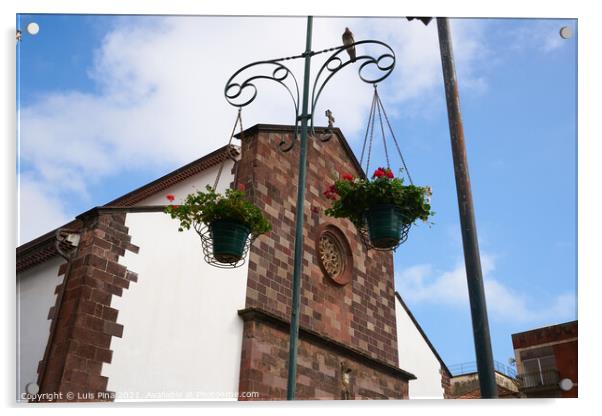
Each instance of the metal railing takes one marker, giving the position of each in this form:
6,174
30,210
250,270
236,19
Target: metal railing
471,367
539,379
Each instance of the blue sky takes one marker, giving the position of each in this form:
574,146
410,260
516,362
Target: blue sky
109,103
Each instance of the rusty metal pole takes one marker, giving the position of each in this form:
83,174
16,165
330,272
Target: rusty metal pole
474,276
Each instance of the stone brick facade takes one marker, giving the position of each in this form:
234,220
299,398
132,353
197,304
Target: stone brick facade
347,327
467,386
83,320
446,383
321,364
360,314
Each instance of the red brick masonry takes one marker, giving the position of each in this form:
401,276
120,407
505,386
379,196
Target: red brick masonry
360,315
545,335
85,321
321,363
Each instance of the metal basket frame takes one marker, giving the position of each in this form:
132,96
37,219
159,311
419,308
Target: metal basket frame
364,235
204,231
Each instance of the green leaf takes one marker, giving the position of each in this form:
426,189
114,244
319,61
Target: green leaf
357,196
207,207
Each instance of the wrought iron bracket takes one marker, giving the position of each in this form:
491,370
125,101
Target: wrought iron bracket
240,89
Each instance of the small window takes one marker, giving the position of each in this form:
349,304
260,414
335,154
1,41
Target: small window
540,371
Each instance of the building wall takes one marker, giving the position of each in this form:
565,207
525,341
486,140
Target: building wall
567,365
545,336
83,321
35,297
359,314
557,340
182,334
319,370
177,331
416,357
466,386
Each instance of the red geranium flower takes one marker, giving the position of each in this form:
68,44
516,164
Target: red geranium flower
389,173
347,176
170,197
241,187
378,173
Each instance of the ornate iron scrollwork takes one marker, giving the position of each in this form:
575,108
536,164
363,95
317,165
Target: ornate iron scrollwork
384,64
243,93
240,93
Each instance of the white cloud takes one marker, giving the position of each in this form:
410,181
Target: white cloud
424,284
38,212
472,54
539,34
159,98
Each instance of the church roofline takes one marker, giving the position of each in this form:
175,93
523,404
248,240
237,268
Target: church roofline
283,128
42,248
411,315
164,182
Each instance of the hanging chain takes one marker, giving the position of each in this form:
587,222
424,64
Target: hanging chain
372,107
236,164
230,155
395,141
371,140
377,106
382,127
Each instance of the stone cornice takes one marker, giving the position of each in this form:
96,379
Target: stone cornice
256,314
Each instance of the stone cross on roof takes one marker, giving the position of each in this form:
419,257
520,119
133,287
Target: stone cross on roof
330,118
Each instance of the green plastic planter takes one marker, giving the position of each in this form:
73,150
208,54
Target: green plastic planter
229,239
384,225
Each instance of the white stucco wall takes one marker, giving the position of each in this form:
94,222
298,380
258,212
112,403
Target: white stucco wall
35,297
182,335
416,357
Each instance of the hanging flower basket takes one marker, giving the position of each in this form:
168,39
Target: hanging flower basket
382,209
227,224
229,240
385,223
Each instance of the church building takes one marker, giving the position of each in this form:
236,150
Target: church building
117,305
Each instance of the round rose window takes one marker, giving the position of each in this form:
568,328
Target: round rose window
334,254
